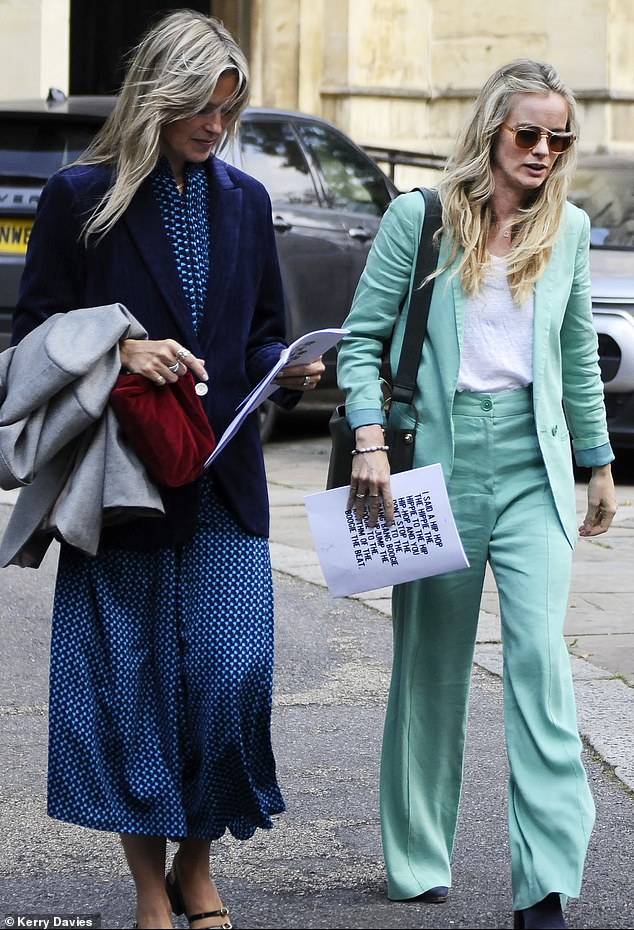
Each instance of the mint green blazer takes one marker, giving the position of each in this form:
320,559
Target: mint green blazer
567,388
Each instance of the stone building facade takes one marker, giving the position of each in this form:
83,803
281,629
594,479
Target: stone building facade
397,73
403,73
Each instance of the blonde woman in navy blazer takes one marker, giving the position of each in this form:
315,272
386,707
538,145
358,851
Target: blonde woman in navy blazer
162,644
508,380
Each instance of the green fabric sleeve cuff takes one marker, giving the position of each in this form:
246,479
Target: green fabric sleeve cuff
592,458
364,417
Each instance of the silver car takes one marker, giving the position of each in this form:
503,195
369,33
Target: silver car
604,187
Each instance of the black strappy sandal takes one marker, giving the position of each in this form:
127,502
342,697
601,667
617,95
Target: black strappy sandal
175,895
223,912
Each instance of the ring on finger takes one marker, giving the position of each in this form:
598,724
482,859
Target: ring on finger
160,379
174,368
182,353
360,497
307,381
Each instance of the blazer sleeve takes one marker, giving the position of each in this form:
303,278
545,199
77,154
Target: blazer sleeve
583,393
54,270
267,335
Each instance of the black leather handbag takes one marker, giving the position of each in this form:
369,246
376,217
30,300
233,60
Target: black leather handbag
400,440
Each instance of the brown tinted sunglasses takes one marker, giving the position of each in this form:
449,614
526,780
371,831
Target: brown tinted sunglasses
527,137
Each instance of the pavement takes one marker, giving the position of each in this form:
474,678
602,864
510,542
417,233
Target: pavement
322,866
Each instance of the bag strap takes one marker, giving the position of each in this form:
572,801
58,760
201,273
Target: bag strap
404,383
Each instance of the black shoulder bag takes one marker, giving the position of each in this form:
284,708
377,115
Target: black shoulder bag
400,441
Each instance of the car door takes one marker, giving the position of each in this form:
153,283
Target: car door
356,190
311,241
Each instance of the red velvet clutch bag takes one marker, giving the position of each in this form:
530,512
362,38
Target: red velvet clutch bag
165,425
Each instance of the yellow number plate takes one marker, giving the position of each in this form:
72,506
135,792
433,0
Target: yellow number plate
14,235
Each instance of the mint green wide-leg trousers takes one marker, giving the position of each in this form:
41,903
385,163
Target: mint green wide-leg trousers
506,516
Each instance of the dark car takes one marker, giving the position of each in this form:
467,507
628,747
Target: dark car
328,197
604,187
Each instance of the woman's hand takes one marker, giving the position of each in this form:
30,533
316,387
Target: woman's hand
601,502
301,377
160,360
370,478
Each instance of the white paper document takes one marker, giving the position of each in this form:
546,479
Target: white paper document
308,348
422,541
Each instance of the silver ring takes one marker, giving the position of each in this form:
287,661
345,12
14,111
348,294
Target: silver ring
174,368
360,497
160,379
307,381
182,353
374,495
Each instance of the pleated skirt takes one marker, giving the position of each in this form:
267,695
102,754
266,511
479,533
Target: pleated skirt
161,686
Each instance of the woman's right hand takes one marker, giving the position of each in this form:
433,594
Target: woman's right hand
370,477
160,360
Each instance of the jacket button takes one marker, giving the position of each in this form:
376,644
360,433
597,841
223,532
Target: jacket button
554,430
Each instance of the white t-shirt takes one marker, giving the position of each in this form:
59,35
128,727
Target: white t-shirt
497,349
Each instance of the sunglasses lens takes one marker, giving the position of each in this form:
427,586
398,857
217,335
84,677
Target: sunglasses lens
526,138
559,143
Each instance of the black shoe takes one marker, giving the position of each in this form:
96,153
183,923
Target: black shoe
546,915
175,895
223,913
437,895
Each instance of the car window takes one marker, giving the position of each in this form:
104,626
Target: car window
354,181
606,193
272,154
35,148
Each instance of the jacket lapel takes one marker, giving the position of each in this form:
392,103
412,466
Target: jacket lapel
542,321
225,210
144,221
447,314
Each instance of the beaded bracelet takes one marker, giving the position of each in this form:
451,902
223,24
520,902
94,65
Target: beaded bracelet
370,449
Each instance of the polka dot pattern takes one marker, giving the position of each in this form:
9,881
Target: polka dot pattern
161,686
187,226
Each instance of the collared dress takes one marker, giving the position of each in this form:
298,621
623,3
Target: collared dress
162,661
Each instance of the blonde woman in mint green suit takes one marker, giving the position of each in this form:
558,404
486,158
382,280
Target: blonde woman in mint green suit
508,378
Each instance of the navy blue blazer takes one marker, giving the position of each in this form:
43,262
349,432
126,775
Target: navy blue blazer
240,337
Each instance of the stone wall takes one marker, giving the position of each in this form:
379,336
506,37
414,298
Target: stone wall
33,47
399,73
403,73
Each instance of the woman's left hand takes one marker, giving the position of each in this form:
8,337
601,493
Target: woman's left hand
160,360
601,502
301,377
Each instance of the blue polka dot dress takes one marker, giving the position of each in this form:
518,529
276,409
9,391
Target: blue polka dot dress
162,661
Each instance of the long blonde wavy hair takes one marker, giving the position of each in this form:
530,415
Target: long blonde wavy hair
467,184
171,75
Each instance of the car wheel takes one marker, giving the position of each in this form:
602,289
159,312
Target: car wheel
267,412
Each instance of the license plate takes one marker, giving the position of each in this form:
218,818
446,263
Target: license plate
14,235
